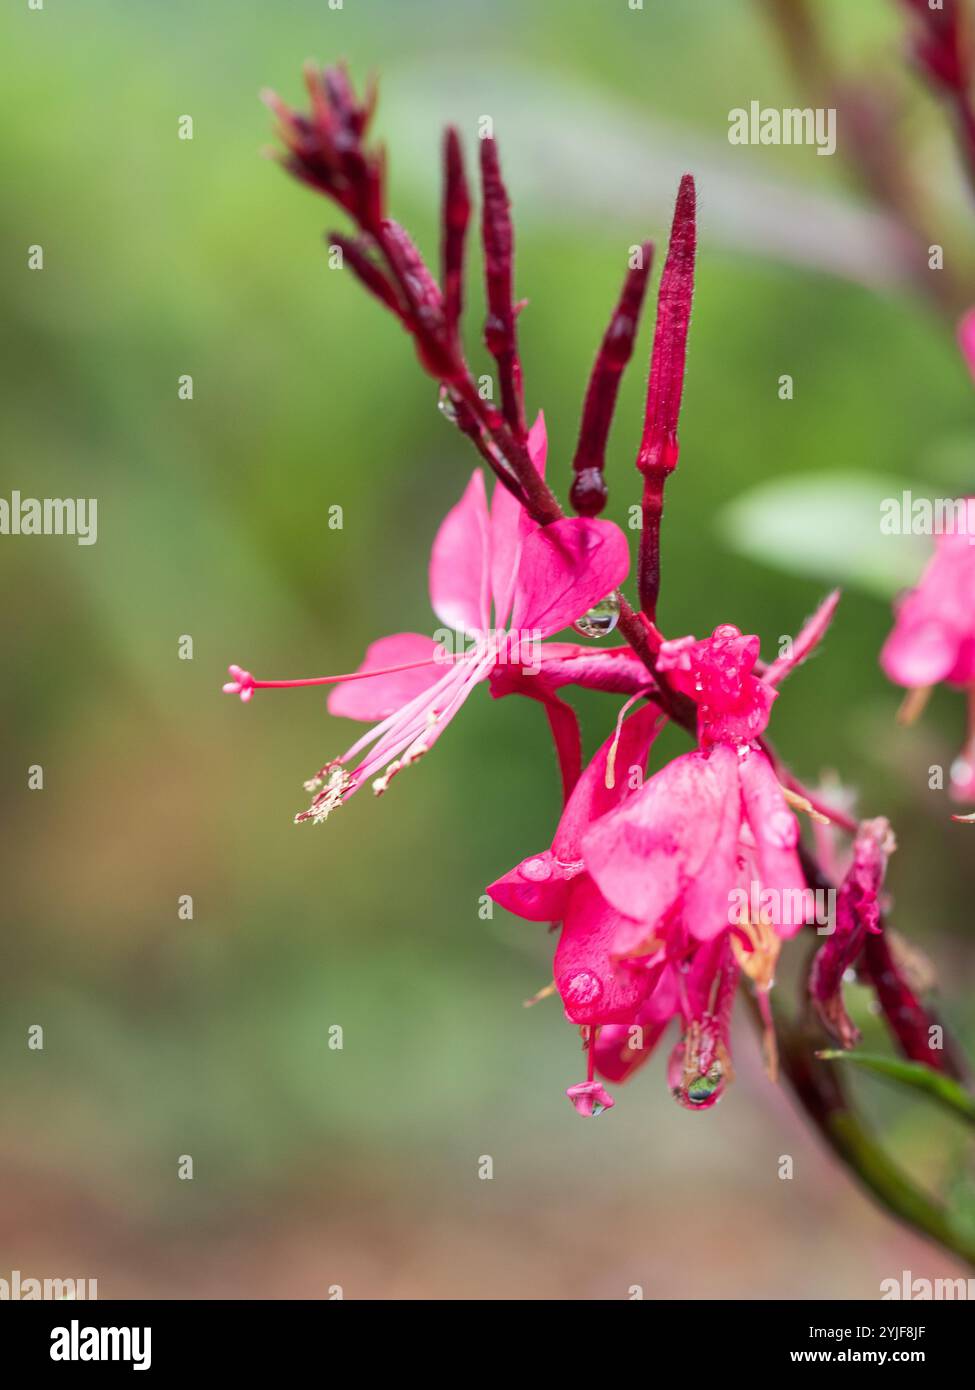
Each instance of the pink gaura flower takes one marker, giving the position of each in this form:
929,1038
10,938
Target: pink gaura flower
933,638
711,823
643,876
496,577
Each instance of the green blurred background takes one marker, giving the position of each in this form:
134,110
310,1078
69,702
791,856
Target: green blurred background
163,1037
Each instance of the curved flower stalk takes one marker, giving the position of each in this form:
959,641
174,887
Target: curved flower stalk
667,889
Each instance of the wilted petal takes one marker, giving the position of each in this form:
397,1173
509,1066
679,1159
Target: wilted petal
857,916
590,1099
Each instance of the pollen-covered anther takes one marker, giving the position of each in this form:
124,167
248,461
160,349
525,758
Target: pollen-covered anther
758,963
323,777
802,803
334,782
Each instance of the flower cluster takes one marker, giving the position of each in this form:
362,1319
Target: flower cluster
643,869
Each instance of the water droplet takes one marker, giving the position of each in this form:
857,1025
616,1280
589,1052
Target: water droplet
581,989
536,870
446,405
588,492
703,1088
601,619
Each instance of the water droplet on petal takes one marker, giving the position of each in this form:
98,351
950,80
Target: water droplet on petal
581,989
536,870
601,619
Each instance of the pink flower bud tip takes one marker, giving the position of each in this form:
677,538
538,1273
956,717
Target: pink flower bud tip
590,1098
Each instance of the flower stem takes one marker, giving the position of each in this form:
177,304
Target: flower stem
820,1092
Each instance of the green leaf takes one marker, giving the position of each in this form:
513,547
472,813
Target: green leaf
914,1074
826,526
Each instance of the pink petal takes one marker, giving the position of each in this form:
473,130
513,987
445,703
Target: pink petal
707,898
623,1047
510,527
921,653
536,889
376,698
460,562
812,633
592,798
616,669
776,832
565,569
595,986
644,854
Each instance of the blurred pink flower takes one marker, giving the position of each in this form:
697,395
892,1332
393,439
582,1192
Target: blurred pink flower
966,339
933,637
